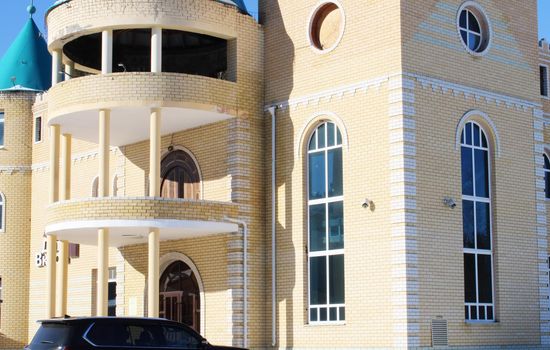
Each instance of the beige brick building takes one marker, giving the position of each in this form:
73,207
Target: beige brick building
340,174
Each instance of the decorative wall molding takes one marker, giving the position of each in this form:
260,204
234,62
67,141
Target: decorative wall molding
80,157
15,169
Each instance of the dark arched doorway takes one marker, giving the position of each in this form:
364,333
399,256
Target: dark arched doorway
180,295
180,176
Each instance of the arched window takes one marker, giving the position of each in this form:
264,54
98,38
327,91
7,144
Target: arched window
326,225
477,230
546,176
180,176
2,212
95,187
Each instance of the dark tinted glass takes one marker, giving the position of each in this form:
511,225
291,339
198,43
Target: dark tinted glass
485,278
484,140
483,222
38,129
473,312
473,41
335,185
473,23
467,172
482,173
338,137
317,227
464,35
110,334
463,16
546,162
179,337
330,135
313,142
313,315
336,222
543,81
336,267
321,142
476,135
318,281
468,223
342,313
52,333
112,299
468,129
547,183
490,315
469,278
1,129
481,312
323,314
317,175
333,314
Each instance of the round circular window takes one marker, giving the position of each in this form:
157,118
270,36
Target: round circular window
326,26
474,28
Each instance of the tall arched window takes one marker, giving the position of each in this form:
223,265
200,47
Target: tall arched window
180,176
2,212
326,225
95,187
477,230
546,176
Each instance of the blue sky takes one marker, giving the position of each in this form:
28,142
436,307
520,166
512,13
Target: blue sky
13,16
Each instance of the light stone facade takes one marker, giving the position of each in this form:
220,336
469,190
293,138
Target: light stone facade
400,87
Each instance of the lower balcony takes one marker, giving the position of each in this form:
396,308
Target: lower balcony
129,220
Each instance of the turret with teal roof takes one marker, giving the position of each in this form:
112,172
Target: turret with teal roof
26,65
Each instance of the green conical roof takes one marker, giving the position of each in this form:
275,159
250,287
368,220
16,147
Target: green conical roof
27,65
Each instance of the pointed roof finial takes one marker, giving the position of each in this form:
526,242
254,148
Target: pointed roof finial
31,9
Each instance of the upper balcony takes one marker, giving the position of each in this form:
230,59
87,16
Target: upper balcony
187,101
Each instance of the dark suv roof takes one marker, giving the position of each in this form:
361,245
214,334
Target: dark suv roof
86,333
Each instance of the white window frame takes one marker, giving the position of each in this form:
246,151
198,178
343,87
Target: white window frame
41,129
327,252
476,199
547,96
3,212
484,24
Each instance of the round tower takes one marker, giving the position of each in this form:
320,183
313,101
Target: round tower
24,72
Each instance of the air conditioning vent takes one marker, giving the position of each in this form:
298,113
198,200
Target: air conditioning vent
440,334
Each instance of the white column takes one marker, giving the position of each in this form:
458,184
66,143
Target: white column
62,278
51,253
69,70
156,50
51,249
56,67
103,233
154,233
106,52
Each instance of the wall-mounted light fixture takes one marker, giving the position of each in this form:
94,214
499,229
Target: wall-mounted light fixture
367,203
449,202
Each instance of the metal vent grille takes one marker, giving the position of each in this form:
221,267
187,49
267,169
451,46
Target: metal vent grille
440,334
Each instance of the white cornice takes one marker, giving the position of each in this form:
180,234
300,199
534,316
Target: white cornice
425,81
76,158
12,169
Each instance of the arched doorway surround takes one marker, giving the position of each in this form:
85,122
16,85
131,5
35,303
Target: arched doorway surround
181,291
180,175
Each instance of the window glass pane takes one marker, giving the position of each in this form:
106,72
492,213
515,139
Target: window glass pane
473,312
490,313
318,281
485,278
483,223
543,81
52,334
462,22
313,142
38,130
468,223
473,23
467,172
323,314
317,227
1,129
464,35
110,334
330,134
313,315
473,41
476,135
321,136
338,137
336,269
482,175
547,183
176,337
336,225
342,313
335,172
469,278
112,299
317,175
333,314
482,312
483,140
546,162
1,217
468,129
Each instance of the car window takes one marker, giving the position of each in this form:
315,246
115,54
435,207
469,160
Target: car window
179,337
51,333
109,334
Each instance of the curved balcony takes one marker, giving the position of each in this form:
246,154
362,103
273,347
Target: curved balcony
74,18
187,101
130,219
